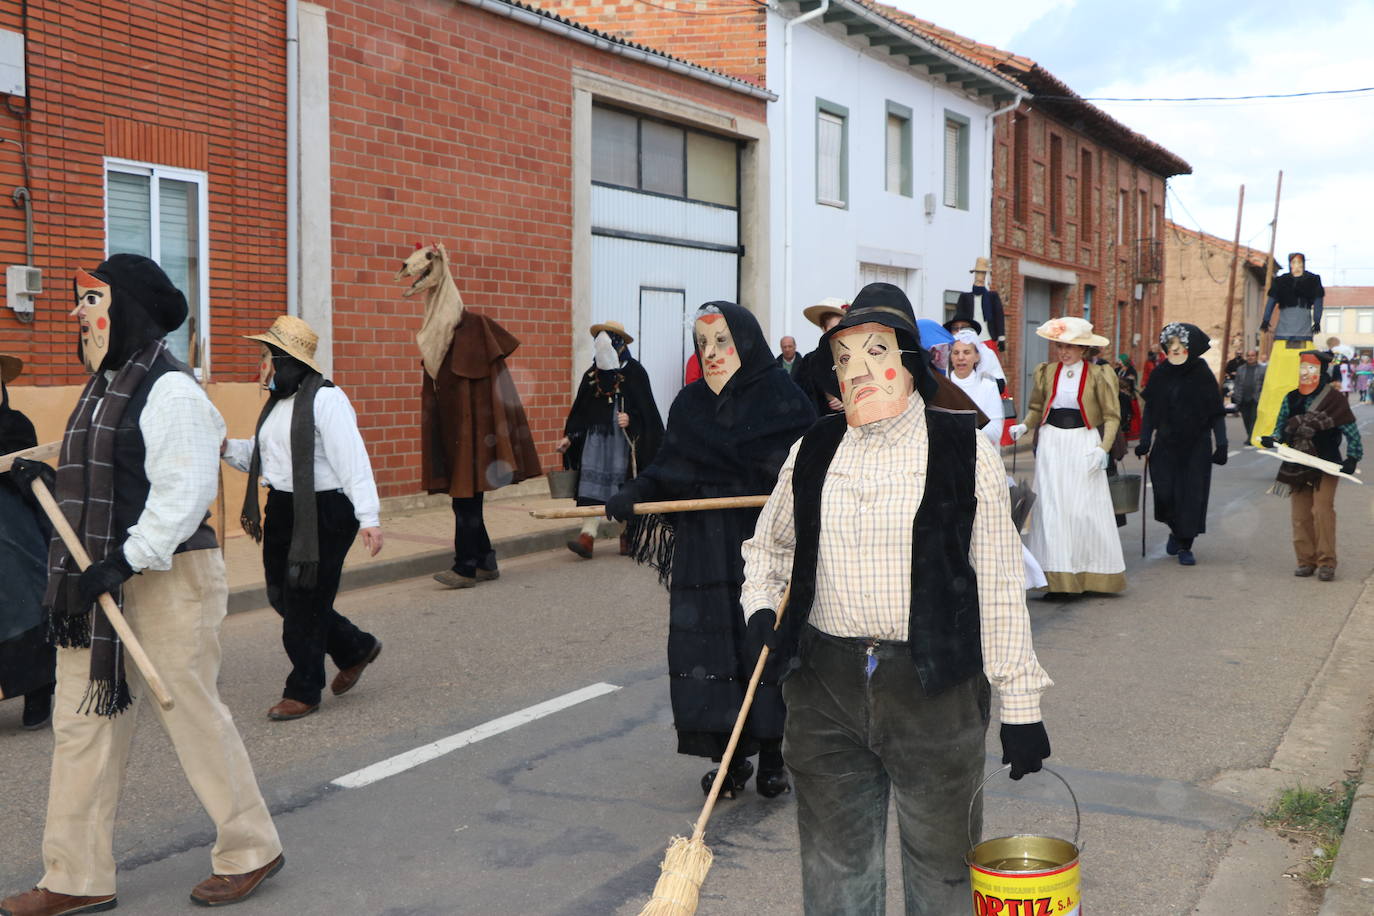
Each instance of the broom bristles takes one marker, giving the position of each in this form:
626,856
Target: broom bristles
684,868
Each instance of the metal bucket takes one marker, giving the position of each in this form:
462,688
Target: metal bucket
562,484
1125,490
1025,873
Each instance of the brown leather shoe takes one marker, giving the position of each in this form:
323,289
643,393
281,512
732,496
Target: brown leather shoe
451,579
486,575
222,890
582,546
290,709
345,679
41,902
1304,571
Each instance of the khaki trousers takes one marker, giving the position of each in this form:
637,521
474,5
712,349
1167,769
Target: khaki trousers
1314,523
176,615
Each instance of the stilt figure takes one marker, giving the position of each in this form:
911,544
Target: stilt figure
474,437
1298,295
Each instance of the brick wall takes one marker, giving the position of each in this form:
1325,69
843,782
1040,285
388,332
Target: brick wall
454,124
197,85
732,36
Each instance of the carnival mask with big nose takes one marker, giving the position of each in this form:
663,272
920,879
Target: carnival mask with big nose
93,312
719,361
1309,374
874,384
1177,352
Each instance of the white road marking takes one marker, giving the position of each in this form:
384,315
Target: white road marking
402,762
1233,454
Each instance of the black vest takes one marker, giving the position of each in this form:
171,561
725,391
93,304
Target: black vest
944,628
130,481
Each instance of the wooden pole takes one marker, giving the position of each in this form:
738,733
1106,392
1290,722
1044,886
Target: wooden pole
107,604
672,505
1266,339
1231,293
37,453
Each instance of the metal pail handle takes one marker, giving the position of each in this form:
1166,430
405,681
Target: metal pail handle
1077,814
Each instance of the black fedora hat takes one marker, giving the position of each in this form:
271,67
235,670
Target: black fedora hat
887,305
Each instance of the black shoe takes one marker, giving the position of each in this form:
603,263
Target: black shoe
1171,548
37,709
1186,558
735,779
772,783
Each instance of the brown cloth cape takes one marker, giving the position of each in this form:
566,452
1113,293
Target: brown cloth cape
473,433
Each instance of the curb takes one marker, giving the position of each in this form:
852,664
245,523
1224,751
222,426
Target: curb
253,597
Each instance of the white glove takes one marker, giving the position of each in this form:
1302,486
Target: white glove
1017,431
1097,460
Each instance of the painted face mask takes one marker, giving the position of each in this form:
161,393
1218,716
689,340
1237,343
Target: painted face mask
874,384
1309,374
267,370
719,361
1177,352
606,357
93,312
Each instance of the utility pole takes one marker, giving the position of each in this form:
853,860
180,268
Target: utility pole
1266,339
1231,293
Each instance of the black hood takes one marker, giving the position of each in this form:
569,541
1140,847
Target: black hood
144,305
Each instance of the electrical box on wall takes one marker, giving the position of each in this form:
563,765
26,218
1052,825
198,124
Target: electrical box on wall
12,62
22,284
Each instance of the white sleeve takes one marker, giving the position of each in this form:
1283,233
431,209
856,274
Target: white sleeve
182,432
238,454
768,554
347,454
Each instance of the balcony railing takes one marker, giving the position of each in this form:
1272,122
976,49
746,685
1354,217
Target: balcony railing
1149,260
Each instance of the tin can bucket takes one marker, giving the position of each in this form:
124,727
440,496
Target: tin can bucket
1125,490
562,484
1025,873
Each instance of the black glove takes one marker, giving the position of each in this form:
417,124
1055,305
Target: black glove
1265,326
1266,441
1219,456
759,633
1142,450
1024,746
1316,327
103,576
621,506
1001,346
25,471
1348,465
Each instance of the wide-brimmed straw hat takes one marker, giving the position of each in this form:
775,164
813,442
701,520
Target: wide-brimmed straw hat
1071,330
294,336
613,327
825,308
981,266
10,367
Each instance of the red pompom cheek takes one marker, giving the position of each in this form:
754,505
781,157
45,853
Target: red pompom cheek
731,351
101,322
890,374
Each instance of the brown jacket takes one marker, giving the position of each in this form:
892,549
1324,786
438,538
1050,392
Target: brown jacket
473,433
1100,405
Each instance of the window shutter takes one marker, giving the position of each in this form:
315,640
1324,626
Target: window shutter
952,129
179,251
829,157
894,153
129,213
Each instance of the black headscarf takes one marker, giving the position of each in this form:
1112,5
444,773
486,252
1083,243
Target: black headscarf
1184,401
145,305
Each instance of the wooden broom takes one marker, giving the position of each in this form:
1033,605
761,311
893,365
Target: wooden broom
688,860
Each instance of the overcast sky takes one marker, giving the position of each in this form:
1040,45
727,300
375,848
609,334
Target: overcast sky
1170,48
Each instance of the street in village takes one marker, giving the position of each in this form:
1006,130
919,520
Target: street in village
1180,710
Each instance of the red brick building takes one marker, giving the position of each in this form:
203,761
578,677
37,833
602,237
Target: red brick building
167,127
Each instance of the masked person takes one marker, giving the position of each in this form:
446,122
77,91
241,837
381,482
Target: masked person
1313,418
1299,297
1076,414
727,435
28,663
138,468
888,690
321,495
1183,415
613,429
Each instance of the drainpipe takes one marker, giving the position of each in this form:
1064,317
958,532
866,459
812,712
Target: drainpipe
988,130
293,181
787,146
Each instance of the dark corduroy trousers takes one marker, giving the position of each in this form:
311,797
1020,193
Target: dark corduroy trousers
311,628
860,730
471,545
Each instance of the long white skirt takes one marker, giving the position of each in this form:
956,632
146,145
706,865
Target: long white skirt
1073,529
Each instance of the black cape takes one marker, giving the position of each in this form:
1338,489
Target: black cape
1183,411
592,410
731,444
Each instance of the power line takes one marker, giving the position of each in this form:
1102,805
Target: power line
1206,98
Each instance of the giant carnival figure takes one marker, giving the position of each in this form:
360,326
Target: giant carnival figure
1298,295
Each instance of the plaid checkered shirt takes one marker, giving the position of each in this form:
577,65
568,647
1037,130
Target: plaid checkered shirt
863,579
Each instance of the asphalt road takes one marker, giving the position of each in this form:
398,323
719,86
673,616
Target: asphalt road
1192,673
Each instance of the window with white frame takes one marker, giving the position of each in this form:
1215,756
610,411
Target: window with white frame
956,161
160,213
1331,321
1364,321
897,179
832,154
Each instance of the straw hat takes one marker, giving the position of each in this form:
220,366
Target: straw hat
293,335
981,265
825,308
613,327
1071,330
10,367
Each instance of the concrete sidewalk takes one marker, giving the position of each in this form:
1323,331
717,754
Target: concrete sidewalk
417,541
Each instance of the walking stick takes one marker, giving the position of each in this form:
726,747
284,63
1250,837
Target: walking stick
687,861
658,508
107,604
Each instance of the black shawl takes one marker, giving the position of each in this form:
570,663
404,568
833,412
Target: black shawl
1290,291
591,409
